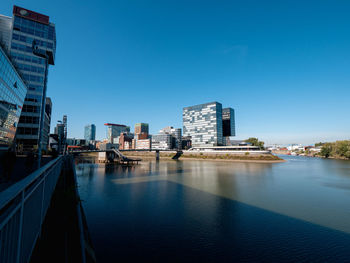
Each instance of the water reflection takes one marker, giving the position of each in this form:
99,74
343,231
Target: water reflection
217,211
310,189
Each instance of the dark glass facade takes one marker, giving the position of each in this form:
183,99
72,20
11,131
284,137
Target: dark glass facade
12,94
228,122
26,29
90,132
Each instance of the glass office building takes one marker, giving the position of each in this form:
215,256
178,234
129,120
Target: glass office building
25,27
114,131
13,91
204,124
90,132
228,122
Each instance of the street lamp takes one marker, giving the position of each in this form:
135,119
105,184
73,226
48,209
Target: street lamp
48,56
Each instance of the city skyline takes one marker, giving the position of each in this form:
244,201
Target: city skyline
286,77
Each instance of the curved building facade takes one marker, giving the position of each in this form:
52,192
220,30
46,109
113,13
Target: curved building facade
13,91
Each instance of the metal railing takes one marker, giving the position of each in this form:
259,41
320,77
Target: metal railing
23,207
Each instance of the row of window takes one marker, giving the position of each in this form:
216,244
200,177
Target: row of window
22,47
38,88
30,68
29,119
29,23
29,40
30,108
9,75
31,31
27,131
8,100
26,58
33,98
7,119
33,78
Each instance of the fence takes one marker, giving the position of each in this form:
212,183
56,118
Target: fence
23,207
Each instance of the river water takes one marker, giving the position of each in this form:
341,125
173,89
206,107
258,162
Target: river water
207,211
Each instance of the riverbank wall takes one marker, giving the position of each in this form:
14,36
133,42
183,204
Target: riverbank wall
208,156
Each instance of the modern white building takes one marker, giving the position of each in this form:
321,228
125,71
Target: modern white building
162,141
204,124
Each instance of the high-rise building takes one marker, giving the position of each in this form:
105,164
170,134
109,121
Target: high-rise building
204,124
59,130
209,124
228,122
114,131
141,128
90,132
12,94
177,138
18,34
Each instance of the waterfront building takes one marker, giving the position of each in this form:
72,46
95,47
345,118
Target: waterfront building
141,131
141,128
114,131
209,124
186,142
90,132
204,124
176,137
12,94
239,143
125,141
162,141
142,144
228,122
18,34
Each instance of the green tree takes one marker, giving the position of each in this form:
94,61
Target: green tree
326,150
342,149
255,142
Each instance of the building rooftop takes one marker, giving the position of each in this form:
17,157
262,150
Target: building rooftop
31,15
113,124
204,104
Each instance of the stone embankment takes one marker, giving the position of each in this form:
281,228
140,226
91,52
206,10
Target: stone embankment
270,158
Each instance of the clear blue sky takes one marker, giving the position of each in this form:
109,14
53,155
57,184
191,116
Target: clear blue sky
284,66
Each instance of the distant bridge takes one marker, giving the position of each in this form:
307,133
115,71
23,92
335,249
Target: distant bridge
111,155
123,159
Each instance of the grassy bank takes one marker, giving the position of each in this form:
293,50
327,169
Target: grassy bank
209,156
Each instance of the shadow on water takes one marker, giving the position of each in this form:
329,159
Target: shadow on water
171,220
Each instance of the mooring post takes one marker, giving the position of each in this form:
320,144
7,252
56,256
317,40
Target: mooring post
157,155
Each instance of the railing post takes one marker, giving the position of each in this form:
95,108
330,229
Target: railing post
19,241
